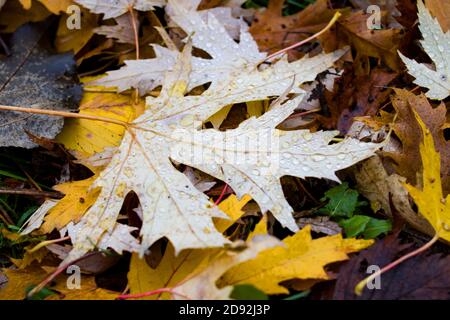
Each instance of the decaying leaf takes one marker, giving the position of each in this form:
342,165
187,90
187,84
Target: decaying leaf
383,189
353,29
169,129
356,95
441,10
301,258
32,77
407,158
273,31
417,278
122,31
436,44
390,6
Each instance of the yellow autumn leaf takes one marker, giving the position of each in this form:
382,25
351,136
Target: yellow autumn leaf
257,108
193,273
87,137
29,257
21,280
54,6
430,200
260,228
78,199
74,40
12,236
171,270
232,206
219,117
254,109
301,258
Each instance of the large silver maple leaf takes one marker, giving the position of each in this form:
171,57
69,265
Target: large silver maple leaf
251,158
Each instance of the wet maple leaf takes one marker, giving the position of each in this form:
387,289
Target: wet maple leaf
169,130
116,8
436,44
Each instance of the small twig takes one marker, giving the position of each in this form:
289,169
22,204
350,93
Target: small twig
5,216
135,31
362,284
304,113
298,44
136,43
300,184
5,47
30,179
33,193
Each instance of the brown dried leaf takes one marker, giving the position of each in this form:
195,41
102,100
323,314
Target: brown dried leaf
407,161
273,32
355,96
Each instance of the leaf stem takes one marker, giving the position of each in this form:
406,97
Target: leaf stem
135,31
298,44
150,293
362,284
57,272
136,43
64,114
46,243
225,188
